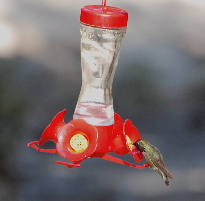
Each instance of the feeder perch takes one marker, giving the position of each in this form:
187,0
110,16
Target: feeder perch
95,129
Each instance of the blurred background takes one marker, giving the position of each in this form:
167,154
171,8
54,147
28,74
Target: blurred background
159,84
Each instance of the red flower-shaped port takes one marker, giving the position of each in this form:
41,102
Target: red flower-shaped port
77,140
132,135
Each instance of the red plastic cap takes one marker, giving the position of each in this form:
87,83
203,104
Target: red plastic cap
104,16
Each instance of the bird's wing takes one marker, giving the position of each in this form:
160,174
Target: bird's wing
158,162
162,167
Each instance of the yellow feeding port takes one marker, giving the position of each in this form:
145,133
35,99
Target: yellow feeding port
128,142
79,143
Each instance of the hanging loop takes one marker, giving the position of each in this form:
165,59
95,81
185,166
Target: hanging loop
104,3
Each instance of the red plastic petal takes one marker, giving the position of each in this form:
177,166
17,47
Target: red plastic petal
119,145
118,125
118,142
131,131
50,133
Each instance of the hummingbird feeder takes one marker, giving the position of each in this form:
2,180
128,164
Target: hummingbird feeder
95,129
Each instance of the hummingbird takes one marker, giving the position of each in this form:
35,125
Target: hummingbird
154,158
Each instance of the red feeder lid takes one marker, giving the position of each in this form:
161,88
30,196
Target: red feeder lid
104,16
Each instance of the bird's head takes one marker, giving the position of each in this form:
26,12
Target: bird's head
140,145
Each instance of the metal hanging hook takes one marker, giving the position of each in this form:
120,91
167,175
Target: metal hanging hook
103,2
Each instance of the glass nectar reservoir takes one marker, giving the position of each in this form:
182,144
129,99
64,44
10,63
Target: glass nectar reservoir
102,30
